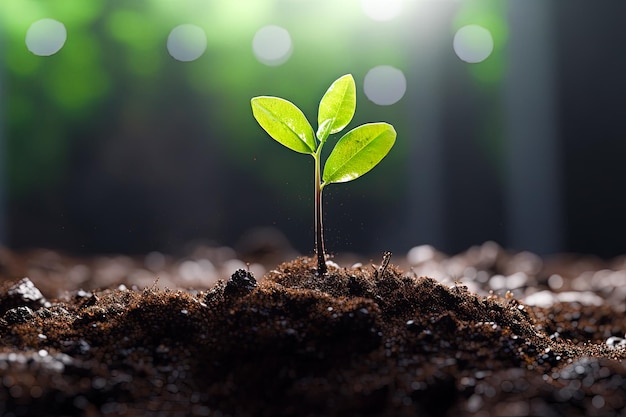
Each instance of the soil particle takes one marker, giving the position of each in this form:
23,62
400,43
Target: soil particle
22,293
361,341
240,283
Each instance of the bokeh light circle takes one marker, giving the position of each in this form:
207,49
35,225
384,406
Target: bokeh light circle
272,45
473,43
384,85
381,10
46,37
186,42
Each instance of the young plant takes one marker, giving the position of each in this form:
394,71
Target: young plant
357,152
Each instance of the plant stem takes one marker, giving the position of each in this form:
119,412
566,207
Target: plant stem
319,230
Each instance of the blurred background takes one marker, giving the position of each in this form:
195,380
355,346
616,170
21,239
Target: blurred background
125,126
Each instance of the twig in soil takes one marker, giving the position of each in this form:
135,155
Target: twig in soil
384,264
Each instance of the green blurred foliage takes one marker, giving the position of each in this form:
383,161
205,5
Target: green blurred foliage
490,14
118,47
47,95
115,75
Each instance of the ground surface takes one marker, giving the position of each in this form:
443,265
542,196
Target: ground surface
495,334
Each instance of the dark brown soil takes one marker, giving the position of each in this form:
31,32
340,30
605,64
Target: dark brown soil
362,341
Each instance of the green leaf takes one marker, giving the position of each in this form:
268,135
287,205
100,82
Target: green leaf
358,151
285,123
336,107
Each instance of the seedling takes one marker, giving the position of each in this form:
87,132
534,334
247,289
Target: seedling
356,153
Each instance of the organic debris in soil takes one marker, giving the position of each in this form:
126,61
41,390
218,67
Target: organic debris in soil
361,341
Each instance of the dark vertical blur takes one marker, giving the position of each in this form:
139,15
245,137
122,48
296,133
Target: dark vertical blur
455,189
533,192
592,88
426,189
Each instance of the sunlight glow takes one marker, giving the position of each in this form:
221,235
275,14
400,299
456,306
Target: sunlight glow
473,43
272,45
46,37
186,42
382,10
384,85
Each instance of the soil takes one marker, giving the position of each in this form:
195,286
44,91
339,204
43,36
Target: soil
495,334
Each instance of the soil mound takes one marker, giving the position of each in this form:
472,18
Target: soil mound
361,341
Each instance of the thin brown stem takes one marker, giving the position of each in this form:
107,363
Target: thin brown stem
319,229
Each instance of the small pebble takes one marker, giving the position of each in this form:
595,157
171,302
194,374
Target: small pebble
616,342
